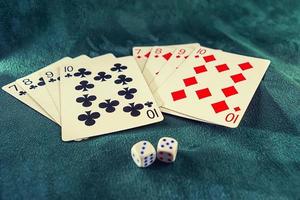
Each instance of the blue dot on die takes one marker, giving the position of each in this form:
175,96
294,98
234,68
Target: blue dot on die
142,152
145,143
143,147
172,141
151,154
171,147
162,146
167,143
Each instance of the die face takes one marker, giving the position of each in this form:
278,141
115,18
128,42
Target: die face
146,148
148,160
165,156
167,144
144,153
136,158
167,149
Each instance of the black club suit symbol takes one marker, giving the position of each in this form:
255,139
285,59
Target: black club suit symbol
51,80
82,72
41,82
86,100
148,104
109,105
118,67
134,109
21,93
32,87
122,79
102,76
127,92
68,75
84,86
89,117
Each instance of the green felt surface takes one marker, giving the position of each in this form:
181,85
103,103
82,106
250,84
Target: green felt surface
258,160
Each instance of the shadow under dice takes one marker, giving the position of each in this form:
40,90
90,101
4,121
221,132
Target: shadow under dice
143,153
167,149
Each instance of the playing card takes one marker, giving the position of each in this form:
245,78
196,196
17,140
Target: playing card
51,76
172,112
158,57
110,96
193,58
218,88
180,55
34,85
141,54
17,92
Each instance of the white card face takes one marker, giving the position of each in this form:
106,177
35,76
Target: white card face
171,112
180,55
112,97
158,57
141,55
52,77
17,92
193,59
34,85
218,88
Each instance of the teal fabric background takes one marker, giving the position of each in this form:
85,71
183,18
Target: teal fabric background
258,160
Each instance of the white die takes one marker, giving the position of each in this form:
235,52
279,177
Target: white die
167,149
143,153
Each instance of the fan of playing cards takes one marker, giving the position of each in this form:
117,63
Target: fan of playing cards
199,83
94,96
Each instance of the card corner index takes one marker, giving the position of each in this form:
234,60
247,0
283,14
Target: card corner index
8,85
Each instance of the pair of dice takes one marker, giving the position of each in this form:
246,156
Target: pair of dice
143,153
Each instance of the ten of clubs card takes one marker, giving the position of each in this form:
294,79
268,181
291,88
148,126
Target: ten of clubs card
104,97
